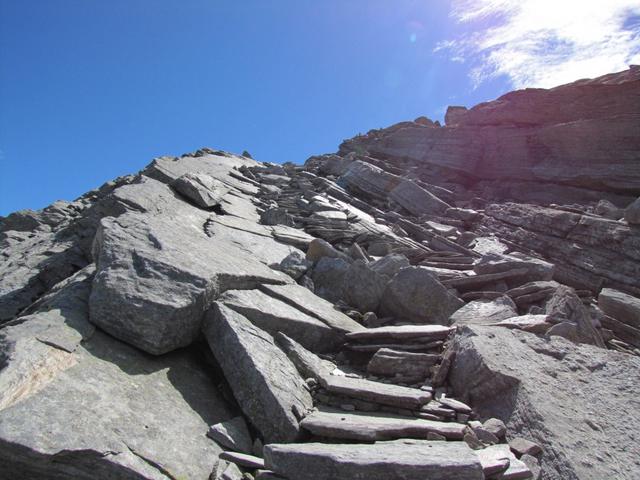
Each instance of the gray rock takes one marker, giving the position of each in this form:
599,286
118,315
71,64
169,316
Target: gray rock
273,315
374,427
606,209
276,216
232,472
328,278
537,269
529,323
549,390
632,213
483,312
157,275
407,459
494,455
363,286
522,446
242,459
566,305
389,363
390,264
376,392
232,434
415,295
76,403
302,299
202,189
264,381
295,264
319,248
621,306
533,465
495,426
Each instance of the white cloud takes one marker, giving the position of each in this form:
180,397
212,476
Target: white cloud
543,43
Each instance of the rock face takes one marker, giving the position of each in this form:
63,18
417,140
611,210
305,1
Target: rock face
550,391
477,283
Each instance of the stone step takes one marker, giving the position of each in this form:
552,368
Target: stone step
401,459
374,427
401,333
377,392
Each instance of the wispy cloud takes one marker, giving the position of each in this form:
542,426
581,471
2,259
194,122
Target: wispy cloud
543,43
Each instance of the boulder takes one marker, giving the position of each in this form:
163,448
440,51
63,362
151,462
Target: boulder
484,312
319,248
566,305
621,306
560,395
606,209
264,381
328,278
295,264
363,286
157,275
415,295
273,315
76,403
390,264
536,269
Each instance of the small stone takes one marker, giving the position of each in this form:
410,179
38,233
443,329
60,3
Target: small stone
495,426
532,464
456,405
258,445
244,460
471,440
521,446
486,436
232,434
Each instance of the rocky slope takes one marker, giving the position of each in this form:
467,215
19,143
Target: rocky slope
431,302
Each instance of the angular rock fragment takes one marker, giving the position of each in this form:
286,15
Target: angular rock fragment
415,295
363,286
377,392
232,434
483,312
328,278
401,333
389,363
202,189
273,315
621,306
407,459
264,382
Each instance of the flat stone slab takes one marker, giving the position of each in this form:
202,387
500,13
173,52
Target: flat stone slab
493,456
401,332
242,459
374,427
265,383
406,460
306,301
377,392
273,316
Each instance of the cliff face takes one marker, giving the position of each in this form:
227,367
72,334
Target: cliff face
213,316
572,143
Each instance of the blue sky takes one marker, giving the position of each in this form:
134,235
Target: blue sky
90,90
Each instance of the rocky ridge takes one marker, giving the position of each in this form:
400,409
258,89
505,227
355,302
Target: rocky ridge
375,313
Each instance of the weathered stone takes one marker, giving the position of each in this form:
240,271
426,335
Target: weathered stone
68,394
606,209
415,295
483,312
407,459
242,459
295,265
621,306
401,333
328,278
375,427
566,305
156,276
388,363
528,323
363,286
548,391
319,248
273,315
232,434
202,189
522,446
390,264
537,269
232,472
632,213
264,381
492,459
377,392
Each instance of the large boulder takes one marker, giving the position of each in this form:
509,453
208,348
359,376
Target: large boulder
265,383
363,286
567,398
157,275
76,403
415,295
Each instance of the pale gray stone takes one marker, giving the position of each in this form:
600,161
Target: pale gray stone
232,434
202,189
